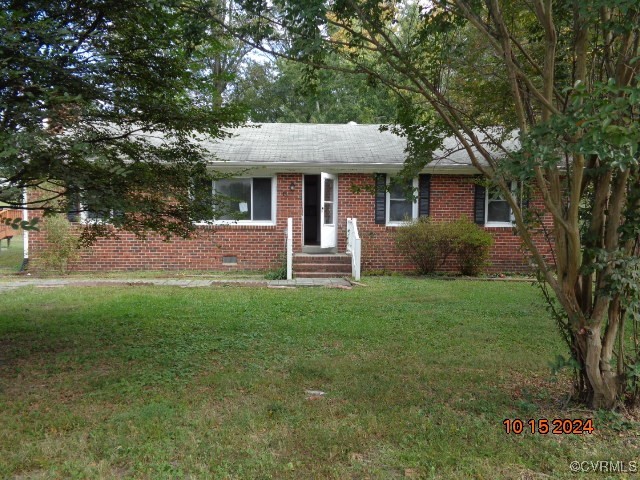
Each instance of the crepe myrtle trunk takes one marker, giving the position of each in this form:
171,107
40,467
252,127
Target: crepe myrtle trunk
594,303
602,385
594,317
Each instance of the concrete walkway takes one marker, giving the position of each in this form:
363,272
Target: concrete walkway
12,284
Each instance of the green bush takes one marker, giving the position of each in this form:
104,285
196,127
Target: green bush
428,244
472,246
63,245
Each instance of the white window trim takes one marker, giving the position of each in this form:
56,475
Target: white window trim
489,224
255,223
84,217
414,209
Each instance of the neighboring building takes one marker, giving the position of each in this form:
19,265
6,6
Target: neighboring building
319,176
7,232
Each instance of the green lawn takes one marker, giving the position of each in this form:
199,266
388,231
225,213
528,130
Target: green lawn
151,382
11,258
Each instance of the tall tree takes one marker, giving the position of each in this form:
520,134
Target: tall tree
100,103
280,91
222,59
563,76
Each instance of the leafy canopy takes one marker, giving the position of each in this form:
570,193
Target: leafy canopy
100,105
281,91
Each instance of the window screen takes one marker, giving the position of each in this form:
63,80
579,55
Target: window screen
498,210
400,207
247,198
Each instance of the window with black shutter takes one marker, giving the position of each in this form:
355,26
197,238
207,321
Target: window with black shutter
398,200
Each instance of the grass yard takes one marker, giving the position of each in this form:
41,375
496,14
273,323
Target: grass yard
154,382
11,257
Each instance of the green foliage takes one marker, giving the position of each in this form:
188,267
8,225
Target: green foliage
63,245
599,121
103,99
560,363
615,421
428,244
472,246
282,92
279,273
18,223
623,280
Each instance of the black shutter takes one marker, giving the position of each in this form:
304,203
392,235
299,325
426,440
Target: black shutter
424,195
478,208
381,199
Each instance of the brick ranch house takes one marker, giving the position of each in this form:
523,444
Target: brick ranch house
319,176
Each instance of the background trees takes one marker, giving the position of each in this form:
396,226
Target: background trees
281,91
563,78
99,105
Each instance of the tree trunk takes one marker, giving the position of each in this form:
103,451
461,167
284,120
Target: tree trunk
600,391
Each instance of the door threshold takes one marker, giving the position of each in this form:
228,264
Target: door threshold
318,250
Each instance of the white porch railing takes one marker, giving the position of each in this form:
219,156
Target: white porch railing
353,246
289,234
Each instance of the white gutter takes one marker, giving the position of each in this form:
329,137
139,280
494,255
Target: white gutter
300,167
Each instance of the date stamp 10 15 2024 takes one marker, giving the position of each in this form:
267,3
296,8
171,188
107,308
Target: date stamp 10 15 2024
544,426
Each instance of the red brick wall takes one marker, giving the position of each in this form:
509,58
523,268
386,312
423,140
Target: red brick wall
256,247
452,196
262,247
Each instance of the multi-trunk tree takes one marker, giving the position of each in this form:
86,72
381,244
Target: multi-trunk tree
560,76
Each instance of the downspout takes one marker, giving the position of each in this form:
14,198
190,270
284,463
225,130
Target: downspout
25,234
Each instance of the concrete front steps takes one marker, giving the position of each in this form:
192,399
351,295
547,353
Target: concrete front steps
327,265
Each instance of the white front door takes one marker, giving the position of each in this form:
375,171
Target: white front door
328,210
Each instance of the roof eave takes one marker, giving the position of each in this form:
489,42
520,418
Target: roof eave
300,167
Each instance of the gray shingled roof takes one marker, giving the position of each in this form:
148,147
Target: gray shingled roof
311,143
297,145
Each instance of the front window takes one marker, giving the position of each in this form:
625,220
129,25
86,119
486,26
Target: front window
401,202
93,214
247,199
86,210
498,211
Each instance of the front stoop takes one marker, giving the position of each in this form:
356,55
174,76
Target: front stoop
335,265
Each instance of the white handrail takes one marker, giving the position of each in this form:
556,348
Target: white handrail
289,248
354,247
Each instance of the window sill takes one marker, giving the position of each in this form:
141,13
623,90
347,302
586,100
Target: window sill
498,225
94,221
237,223
399,224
